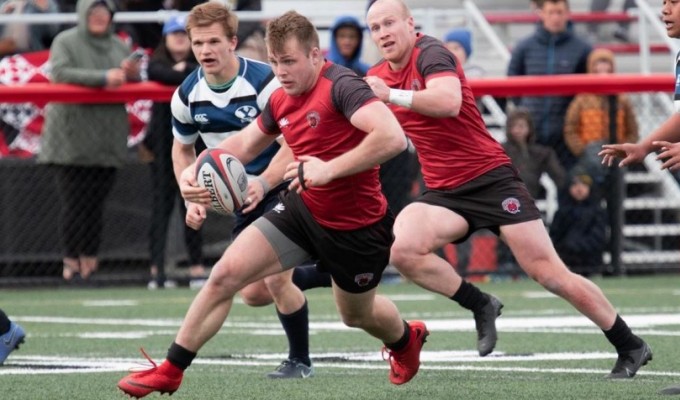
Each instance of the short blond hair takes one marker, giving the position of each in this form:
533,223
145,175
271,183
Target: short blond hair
208,13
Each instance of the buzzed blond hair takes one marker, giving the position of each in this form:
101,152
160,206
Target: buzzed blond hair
405,11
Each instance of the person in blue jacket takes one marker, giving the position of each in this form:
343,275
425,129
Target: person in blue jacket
347,36
553,49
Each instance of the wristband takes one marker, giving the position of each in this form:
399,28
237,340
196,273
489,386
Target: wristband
264,183
402,98
301,176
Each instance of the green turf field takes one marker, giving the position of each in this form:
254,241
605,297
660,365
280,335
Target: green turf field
82,341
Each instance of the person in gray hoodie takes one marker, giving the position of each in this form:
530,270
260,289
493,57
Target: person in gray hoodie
84,144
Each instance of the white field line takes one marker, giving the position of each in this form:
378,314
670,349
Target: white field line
27,365
466,324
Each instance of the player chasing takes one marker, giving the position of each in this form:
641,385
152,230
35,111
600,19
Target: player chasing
666,138
338,132
471,183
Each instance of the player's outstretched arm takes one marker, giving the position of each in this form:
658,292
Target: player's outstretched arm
631,153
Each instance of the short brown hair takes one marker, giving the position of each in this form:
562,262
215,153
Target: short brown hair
208,13
291,24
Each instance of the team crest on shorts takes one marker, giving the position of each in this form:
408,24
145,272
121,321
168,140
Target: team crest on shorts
313,119
511,205
363,279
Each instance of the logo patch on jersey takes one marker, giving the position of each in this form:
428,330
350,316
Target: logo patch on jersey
511,205
201,119
279,208
416,85
283,122
313,119
246,113
363,279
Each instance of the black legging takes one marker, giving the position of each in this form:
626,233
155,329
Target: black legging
165,194
82,191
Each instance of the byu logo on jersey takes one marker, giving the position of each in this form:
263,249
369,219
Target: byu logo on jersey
201,119
246,113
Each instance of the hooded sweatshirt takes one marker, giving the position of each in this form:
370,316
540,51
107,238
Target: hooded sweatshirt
532,159
85,134
353,63
587,118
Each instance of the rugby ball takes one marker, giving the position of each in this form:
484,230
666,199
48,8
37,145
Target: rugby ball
224,177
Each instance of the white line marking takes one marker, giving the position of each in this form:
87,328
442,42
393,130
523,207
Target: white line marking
110,303
25,365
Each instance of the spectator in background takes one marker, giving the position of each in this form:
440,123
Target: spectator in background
347,37
529,157
578,229
85,144
552,49
586,126
459,42
250,34
11,336
531,160
21,37
144,34
170,63
622,31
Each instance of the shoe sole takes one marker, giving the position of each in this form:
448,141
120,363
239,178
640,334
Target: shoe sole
134,396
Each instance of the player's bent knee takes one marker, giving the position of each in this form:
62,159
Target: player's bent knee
256,295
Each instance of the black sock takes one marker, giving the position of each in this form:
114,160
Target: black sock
403,341
179,356
470,297
4,323
308,277
622,337
296,326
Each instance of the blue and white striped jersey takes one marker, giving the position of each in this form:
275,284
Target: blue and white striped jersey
199,110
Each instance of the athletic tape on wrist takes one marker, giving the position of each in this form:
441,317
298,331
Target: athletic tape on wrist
264,183
402,98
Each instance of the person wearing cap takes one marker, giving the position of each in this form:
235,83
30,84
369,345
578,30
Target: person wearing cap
85,144
578,229
171,62
459,42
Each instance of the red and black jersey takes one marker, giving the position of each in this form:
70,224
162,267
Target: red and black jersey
317,124
451,151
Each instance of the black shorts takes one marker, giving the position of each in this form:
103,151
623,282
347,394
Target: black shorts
355,259
496,198
270,200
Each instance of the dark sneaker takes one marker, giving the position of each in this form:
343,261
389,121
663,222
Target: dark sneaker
291,369
485,322
404,364
164,378
628,364
11,340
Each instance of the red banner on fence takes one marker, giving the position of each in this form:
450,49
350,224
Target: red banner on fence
21,123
